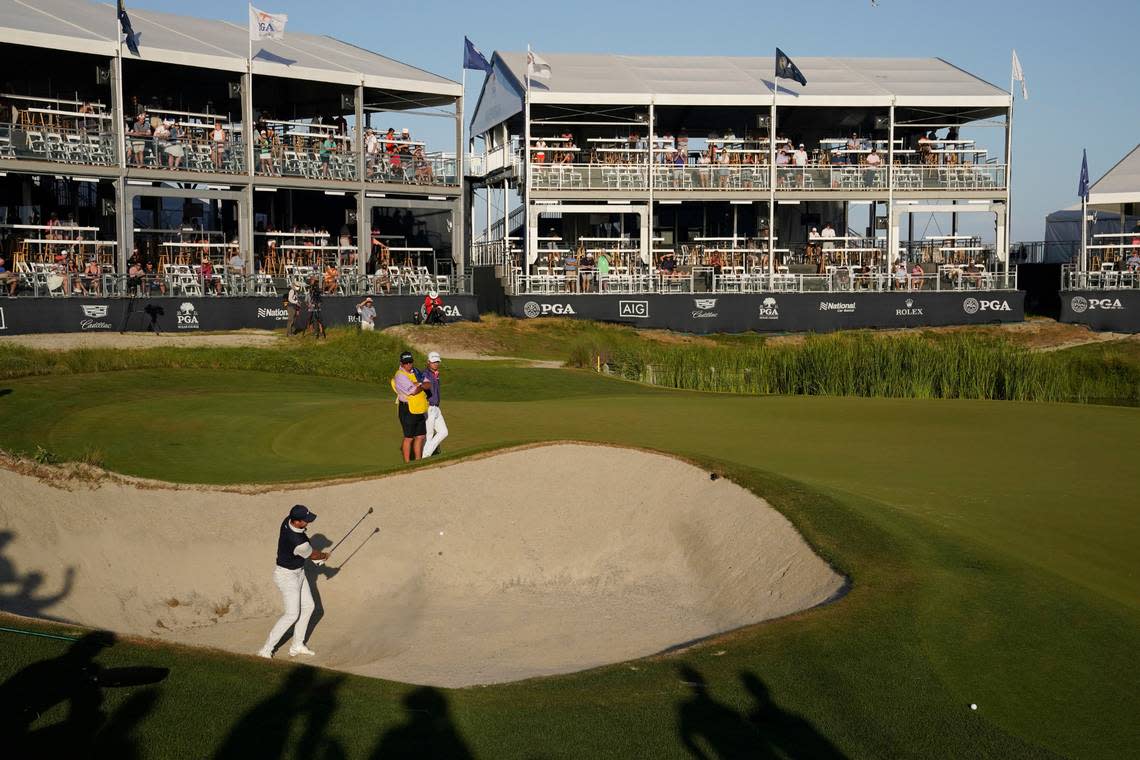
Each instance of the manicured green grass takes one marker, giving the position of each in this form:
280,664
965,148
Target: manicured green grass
991,546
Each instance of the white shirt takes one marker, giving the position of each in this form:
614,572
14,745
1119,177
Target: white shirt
801,157
828,232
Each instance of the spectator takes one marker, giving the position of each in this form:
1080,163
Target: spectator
218,145
435,428
367,315
237,263
424,174
152,281
315,319
293,306
8,278
174,149
88,280
433,313
900,275
800,157
139,133
328,147
331,279
570,267
827,236
210,281
265,153
917,276
411,407
135,277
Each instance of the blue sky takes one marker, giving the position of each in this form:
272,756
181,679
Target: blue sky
1080,59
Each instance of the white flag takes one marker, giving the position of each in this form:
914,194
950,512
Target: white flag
264,25
1019,76
537,67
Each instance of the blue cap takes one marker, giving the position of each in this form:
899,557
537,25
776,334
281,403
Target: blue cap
301,512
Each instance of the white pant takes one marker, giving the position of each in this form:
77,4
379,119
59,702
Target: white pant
436,430
299,606
369,326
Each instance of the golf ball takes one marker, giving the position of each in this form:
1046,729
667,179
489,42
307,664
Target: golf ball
441,533
973,707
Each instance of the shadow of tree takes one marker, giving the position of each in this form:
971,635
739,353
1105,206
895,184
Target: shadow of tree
76,681
712,729
427,732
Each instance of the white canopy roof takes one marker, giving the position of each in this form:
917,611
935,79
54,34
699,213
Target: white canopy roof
729,80
1120,184
85,27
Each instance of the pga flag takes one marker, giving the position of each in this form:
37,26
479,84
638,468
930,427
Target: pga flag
264,25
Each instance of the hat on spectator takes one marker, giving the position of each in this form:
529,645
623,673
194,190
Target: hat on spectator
406,357
301,512
433,356
433,294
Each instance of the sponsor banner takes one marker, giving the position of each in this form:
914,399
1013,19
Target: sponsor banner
187,315
1114,310
779,312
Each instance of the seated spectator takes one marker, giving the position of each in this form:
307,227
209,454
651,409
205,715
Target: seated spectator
1132,263
433,313
8,278
135,275
89,279
900,275
424,173
237,263
152,282
917,276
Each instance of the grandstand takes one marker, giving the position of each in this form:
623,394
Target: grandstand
665,177
216,167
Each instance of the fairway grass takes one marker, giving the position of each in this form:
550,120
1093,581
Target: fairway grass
990,545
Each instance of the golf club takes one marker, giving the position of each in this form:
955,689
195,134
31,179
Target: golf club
346,535
354,551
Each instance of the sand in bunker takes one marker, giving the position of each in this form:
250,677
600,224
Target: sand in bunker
532,562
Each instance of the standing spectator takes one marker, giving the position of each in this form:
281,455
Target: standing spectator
218,145
411,406
435,427
135,277
367,315
328,146
293,306
827,236
265,153
372,151
315,320
139,133
174,149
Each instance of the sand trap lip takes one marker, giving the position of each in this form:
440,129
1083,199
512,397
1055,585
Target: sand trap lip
532,562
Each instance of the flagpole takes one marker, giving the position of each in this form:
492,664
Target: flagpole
123,210
526,168
772,174
1009,172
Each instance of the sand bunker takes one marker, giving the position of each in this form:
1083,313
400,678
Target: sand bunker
533,562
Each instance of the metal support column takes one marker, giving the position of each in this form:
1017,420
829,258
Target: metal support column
772,183
892,251
245,205
124,215
460,237
363,218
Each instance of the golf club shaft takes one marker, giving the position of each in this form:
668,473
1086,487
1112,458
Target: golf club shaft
346,535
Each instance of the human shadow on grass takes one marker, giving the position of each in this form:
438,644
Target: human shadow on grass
427,730
75,682
23,593
712,729
307,698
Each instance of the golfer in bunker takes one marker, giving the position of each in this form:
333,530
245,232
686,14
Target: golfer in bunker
293,549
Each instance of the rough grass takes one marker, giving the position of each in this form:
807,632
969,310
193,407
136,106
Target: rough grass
929,365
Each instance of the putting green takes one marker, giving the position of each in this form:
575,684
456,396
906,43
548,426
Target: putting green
991,548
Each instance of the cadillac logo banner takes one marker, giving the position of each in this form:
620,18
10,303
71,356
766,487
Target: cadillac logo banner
779,312
1115,310
190,315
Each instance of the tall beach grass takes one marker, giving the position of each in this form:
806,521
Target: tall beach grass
957,365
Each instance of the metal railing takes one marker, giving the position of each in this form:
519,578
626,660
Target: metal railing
555,281
636,176
308,163
45,283
431,169
1109,276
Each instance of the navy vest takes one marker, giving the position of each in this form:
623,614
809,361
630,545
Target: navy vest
289,540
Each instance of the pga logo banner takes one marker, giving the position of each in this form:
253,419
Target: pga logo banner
974,305
769,309
532,309
1080,304
187,316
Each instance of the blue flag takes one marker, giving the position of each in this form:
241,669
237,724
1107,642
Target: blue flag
125,23
473,59
1083,187
785,69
